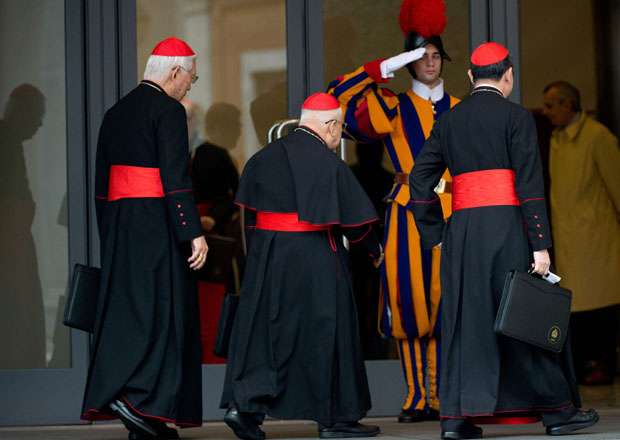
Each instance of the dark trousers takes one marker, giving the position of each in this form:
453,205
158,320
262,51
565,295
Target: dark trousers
594,335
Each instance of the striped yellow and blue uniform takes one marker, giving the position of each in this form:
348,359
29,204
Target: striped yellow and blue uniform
409,306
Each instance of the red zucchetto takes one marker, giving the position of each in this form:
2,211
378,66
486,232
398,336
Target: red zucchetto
488,53
320,102
173,47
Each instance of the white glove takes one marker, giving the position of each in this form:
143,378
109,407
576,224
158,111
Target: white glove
391,65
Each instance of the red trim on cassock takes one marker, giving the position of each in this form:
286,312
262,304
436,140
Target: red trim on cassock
184,190
373,69
94,415
128,182
484,188
532,199
426,202
505,420
161,419
363,236
509,417
241,205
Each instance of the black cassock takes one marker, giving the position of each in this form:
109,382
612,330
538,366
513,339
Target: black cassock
484,374
215,179
295,351
146,345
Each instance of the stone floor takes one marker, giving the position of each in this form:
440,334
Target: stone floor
605,399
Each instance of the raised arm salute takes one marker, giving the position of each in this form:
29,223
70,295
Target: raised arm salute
410,295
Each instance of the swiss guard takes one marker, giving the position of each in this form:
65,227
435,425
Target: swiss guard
145,365
498,224
410,295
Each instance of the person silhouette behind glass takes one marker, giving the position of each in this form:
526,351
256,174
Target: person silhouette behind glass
22,319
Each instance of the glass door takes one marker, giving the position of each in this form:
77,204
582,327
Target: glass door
43,205
241,60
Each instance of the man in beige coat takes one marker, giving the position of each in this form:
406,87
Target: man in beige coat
585,217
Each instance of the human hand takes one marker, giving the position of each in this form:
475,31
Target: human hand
391,65
199,253
541,263
207,222
379,261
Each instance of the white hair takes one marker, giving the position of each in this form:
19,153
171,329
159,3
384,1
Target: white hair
158,67
320,115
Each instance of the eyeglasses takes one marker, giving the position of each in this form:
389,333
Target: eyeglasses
194,76
342,123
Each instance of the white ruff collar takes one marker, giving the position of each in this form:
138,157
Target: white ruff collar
426,93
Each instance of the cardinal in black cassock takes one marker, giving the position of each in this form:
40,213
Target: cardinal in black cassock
145,364
295,351
499,221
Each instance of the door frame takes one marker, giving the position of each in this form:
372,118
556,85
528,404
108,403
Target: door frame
53,396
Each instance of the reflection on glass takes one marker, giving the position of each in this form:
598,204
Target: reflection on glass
544,60
245,68
356,32
241,48
33,227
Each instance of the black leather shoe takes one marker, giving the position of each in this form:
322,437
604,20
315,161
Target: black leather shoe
580,420
139,436
133,422
244,425
348,430
431,414
163,431
467,431
411,416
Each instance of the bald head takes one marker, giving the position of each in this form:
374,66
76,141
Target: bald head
561,102
326,123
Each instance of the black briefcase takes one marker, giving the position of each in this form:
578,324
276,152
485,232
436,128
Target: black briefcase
81,305
225,325
534,311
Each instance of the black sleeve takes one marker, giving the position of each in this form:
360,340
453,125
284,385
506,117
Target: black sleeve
233,174
529,184
173,153
224,207
364,236
197,167
249,226
425,204
102,171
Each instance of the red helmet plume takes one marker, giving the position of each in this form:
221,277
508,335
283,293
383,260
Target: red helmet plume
424,17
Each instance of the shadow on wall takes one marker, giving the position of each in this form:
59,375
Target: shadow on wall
22,322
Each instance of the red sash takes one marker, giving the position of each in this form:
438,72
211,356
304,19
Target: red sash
484,188
285,222
127,182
